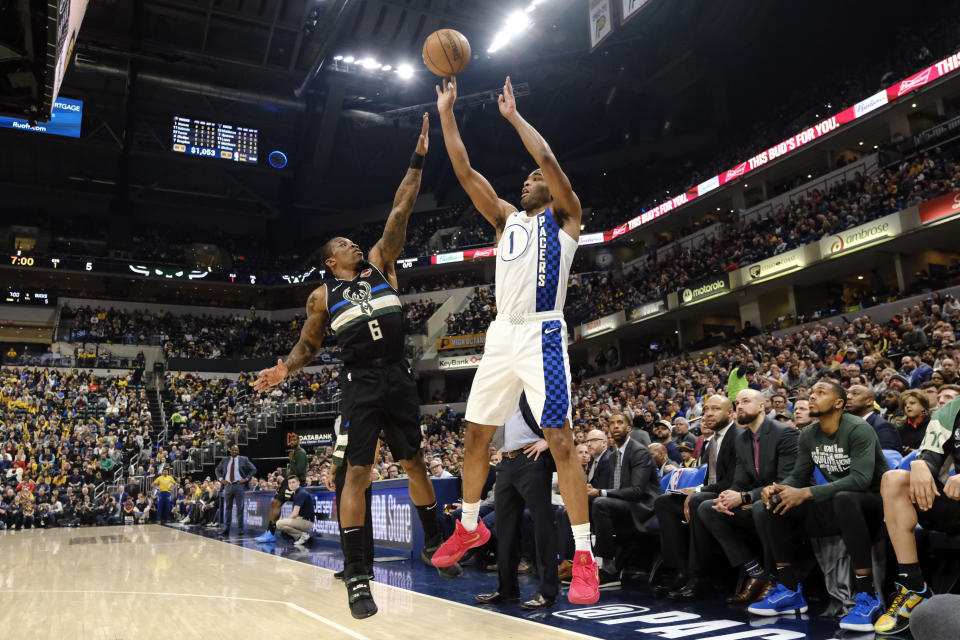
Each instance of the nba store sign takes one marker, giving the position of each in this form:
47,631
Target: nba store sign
669,624
860,237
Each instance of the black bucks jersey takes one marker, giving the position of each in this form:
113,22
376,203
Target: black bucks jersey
366,316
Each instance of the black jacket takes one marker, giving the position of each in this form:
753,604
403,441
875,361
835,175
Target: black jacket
886,432
778,453
726,461
601,477
639,481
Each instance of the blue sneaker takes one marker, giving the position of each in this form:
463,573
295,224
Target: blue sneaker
779,601
863,614
266,536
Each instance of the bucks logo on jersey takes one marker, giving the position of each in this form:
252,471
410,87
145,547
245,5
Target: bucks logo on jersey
360,296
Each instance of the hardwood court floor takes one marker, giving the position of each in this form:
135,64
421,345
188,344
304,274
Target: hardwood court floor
143,582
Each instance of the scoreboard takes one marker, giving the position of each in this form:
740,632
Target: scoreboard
214,140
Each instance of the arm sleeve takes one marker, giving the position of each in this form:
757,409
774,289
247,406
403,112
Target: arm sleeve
937,434
863,461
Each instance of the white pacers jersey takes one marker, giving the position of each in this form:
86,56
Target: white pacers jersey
533,264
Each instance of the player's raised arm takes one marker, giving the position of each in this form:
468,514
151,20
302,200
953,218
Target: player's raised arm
385,253
565,200
482,195
307,347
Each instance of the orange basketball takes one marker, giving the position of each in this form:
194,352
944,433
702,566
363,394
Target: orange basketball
446,52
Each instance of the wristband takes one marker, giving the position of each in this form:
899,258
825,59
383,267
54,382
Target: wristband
339,450
746,498
416,161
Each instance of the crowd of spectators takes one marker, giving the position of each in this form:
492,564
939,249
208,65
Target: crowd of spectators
416,314
480,311
63,436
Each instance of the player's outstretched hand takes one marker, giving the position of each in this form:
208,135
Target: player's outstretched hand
423,142
270,377
506,101
446,94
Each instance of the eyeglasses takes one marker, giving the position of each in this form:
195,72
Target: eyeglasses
596,439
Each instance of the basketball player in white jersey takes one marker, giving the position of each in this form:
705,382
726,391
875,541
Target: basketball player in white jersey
526,345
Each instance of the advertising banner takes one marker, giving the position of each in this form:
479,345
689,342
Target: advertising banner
65,120
861,236
939,208
705,289
647,310
460,362
461,342
630,8
779,264
602,325
395,522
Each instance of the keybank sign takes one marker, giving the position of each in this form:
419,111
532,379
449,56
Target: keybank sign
860,237
705,289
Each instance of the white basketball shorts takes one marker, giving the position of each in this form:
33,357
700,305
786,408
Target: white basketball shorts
525,354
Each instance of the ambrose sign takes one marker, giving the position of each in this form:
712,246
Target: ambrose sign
860,237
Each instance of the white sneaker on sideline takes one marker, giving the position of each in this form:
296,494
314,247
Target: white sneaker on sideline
302,540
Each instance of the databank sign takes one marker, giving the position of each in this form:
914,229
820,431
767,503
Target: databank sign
860,237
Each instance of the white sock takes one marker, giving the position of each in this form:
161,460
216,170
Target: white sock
469,515
581,536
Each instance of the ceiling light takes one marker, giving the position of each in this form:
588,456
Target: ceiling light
405,71
876,147
861,143
387,67
809,175
348,59
914,105
370,63
516,23
859,277
338,57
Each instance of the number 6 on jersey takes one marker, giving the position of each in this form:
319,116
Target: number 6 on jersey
375,329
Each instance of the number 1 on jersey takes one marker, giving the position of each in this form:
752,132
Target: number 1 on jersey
375,329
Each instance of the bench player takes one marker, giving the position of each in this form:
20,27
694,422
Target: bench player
526,345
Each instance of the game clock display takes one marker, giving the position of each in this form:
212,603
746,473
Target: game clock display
214,140
19,296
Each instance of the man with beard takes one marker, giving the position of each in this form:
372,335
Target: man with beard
847,452
766,451
628,504
860,404
685,550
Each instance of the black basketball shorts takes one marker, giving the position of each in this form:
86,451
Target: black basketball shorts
943,515
375,399
284,492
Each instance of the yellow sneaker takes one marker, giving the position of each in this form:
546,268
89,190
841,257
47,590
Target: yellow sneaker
897,617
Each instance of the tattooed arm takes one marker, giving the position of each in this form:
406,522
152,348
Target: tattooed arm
302,354
385,253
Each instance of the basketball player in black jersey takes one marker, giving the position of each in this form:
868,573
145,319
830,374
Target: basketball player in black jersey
361,306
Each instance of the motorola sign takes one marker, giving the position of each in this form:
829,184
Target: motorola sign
710,288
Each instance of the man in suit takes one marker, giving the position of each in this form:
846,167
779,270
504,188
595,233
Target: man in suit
234,472
766,451
860,403
598,471
524,478
628,504
685,548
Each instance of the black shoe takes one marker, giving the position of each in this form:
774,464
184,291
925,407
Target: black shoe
608,579
360,597
539,601
450,573
338,575
690,591
496,598
661,590
223,533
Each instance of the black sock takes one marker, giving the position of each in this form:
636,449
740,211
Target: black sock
754,570
787,577
431,530
911,577
272,528
353,562
864,583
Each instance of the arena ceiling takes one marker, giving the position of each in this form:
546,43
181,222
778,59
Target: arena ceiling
661,90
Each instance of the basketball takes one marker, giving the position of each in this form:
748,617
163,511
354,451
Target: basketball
446,52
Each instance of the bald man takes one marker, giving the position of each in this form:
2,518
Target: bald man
598,471
860,401
766,452
683,541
